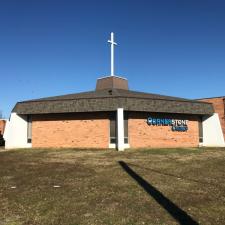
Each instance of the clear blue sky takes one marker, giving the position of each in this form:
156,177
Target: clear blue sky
55,47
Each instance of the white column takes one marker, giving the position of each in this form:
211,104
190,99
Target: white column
16,132
212,131
120,129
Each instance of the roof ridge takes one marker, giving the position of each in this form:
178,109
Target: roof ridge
173,100
110,93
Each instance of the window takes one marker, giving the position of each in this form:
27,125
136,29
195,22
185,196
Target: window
126,128
113,128
29,129
113,132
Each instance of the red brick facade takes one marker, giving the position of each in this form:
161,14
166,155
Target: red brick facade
2,126
141,135
219,107
91,130
71,130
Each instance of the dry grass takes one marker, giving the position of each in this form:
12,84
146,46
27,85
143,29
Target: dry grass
96,189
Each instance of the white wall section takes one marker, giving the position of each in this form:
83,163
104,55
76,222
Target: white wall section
212,131
16,132
120,129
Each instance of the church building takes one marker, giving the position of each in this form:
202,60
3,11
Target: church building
112,116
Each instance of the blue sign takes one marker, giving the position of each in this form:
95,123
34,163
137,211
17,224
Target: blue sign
176,125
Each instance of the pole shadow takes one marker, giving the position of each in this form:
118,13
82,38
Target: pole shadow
178,214
175,176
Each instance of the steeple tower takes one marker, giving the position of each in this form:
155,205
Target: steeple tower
112,81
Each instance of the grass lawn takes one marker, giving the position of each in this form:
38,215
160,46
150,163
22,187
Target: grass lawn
163,186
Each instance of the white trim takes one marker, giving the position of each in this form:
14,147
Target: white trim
114,146
200,144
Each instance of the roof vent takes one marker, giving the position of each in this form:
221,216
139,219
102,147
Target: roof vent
110,92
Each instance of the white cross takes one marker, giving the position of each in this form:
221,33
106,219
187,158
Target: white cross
112,52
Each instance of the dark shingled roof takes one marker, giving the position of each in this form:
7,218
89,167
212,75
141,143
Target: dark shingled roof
110,100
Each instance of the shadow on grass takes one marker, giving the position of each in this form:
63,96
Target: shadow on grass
178,214
175,176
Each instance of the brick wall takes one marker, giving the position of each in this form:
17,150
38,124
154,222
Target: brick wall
2,126
91,130
141,135
219,107
78,130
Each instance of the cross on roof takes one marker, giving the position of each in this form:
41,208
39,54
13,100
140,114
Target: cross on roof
112,52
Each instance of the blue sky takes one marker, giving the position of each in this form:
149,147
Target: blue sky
56,47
